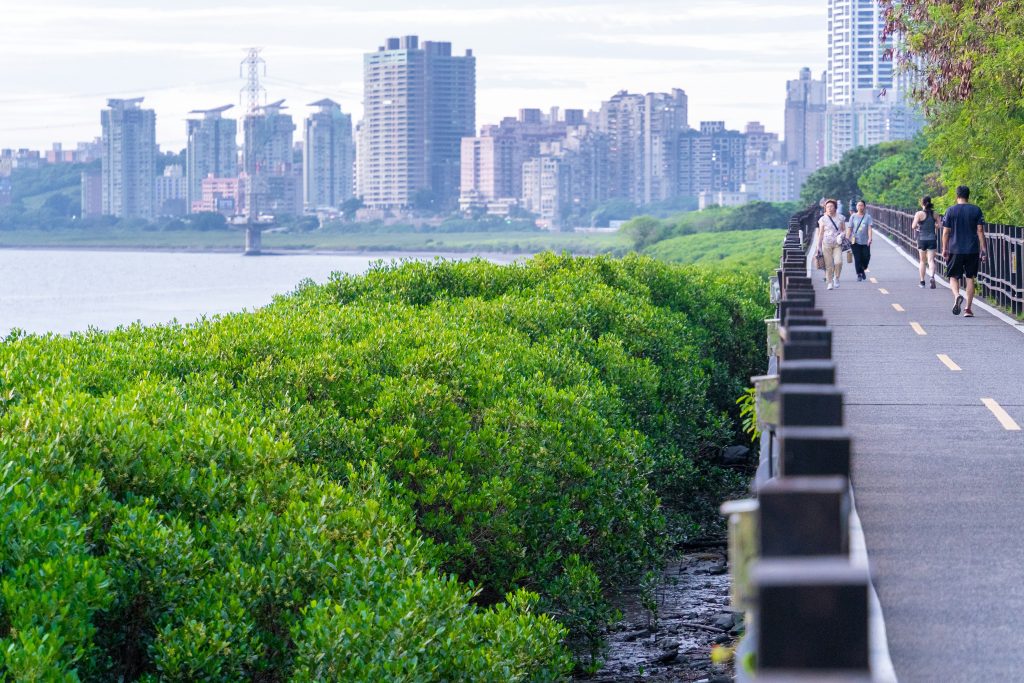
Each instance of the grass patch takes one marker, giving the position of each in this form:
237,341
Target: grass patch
740,250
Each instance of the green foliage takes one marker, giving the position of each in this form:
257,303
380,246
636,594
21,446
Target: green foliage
748,412
643,231
29,182
842,180
437,471
968,61
754,251
901,179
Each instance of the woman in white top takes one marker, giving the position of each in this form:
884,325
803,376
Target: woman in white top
830,233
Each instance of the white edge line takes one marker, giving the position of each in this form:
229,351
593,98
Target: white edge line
882,668
977,302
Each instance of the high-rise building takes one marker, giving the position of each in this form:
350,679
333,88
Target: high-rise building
129,159
170,192
867,101
92,193
269,160
419,102
547,189
492,164
719,163
665,116
805,122
212,149
761,147
622,118
642,132
328,157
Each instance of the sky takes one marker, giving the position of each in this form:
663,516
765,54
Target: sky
63,58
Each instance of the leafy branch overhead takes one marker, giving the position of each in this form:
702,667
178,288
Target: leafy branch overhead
967,57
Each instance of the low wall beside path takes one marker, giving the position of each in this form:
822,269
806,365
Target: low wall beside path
797,558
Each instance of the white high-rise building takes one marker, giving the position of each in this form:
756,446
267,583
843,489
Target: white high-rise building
128,159
867,100
419,101
328,157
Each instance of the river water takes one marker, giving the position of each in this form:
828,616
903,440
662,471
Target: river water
65,291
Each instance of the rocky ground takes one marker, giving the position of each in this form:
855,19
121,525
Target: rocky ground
693,616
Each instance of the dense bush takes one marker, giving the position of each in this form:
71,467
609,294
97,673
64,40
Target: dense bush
401,476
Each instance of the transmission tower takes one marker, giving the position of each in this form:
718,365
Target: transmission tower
253,91
256,96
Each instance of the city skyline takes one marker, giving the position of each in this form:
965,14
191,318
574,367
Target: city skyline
732,58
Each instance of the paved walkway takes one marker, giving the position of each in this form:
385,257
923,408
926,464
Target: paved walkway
938,477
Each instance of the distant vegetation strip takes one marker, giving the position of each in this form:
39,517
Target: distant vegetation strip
516,242
749,250
437,471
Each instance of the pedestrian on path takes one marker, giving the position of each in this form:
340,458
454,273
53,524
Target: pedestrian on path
963,247
926,227
860,234
830,235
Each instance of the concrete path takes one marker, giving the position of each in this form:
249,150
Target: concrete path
934,402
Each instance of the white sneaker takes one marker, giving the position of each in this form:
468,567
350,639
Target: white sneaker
837,283
829,286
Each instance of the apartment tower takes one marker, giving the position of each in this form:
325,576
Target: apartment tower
269,160
212,150
419,102
128,159
805,122
328,157
867,102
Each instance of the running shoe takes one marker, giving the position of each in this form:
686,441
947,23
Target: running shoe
933,283
956,305
921,284
829,286
968,313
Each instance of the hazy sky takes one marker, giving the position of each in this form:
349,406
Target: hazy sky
63,58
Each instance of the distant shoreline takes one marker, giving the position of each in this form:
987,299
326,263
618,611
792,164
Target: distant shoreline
277,251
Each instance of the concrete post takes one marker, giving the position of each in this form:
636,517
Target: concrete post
810,451
812,614
804,516
810,405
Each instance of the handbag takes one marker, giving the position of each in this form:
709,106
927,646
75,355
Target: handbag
819,261
844,241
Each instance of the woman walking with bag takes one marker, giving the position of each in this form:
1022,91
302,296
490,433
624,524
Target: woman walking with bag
926,227
830,242
859,232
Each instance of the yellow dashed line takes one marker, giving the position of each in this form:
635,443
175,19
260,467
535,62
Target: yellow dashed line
1001,415
948,362
917,328
883,290
899,309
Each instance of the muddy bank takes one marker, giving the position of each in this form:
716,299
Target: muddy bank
674,641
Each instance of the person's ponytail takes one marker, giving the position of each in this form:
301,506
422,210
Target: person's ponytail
926,202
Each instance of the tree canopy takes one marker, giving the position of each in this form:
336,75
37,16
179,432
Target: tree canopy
968,58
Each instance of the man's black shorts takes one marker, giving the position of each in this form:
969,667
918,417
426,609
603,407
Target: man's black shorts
963,265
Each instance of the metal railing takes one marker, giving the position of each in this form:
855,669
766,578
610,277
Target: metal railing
1001,277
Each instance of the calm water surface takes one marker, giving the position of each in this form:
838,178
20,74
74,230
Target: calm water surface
67,291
